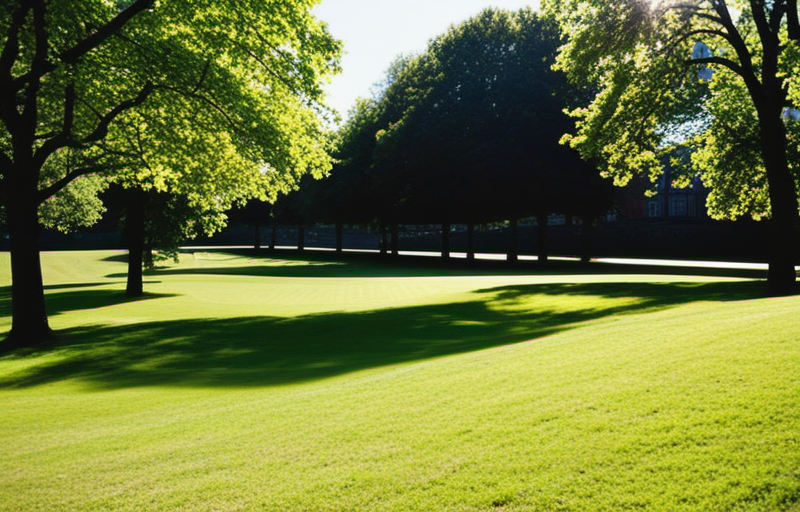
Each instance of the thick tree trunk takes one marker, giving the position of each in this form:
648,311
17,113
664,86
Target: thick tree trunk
513,240
784,222
29,325
541,228
471,241
445,240
134,239
339,237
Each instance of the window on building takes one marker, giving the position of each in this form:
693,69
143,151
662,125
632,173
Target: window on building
677,206
654,208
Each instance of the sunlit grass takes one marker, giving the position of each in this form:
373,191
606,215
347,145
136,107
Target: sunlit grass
258,384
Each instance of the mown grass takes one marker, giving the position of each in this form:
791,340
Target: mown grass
244,383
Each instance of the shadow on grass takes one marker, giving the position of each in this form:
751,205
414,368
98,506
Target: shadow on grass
293,264
262,351
648,295
63,301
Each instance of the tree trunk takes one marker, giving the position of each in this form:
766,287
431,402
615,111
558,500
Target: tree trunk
384,243
784,222
339,237
471,241
29,325
134,239
395,239
301,237
273,235
257,236
445,240
513,240
586,239
541,229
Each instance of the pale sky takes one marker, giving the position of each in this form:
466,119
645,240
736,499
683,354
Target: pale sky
374,32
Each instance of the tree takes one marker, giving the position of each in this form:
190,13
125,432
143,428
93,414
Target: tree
154,225
159,92
471,128
718,77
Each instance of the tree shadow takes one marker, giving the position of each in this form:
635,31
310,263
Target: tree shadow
366,265
291,263
64,301
267,351
648,295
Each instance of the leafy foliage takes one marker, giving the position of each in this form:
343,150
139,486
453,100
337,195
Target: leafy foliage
673,73
216,101
466,131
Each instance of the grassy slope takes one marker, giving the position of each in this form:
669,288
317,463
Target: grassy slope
243,384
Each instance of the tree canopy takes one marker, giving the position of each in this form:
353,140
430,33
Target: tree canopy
466,131
215,100
717,77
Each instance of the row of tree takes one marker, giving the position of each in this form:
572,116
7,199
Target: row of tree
466,132
215,102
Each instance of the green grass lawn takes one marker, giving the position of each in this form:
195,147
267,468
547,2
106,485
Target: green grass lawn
247,384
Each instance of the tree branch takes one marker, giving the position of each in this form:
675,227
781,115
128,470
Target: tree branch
48,192
792,21
776,17
10,51
683,37
101,130
69,109
29,115
202,76
718,60
745,67
88,44
100,35
264,65
65,139
208,101
762,24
